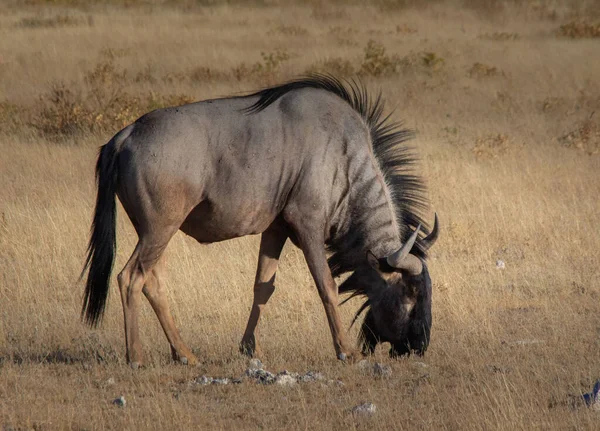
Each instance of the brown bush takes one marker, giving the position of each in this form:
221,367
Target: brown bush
336,66
585,137
54,21
579,30
376,62
480,70
102,105
265,71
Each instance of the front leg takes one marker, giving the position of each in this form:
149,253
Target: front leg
313,247
271,244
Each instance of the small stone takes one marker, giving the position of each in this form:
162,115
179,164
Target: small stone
261,376
500,264
311,376
382,370
342,356
255,364
204,380
420,364
221,381
120,402
365,409
285,379
110,381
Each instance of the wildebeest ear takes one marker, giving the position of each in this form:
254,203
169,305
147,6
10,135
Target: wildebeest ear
373,261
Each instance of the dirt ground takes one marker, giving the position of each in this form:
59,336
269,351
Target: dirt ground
504,97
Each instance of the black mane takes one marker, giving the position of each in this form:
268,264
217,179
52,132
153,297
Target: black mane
387,137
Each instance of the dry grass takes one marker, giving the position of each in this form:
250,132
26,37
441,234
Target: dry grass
512,166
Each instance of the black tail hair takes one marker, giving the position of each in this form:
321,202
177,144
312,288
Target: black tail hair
103,239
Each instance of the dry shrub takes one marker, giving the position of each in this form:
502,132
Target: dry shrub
102,105
54,21
289,30
579,30
206,74
552,104
266,70
62,113
500,36
336,66
432,60
146,75
405,29
585,138
114,53
344,35
480,70
327,12
342,31
175,77
491,146
376,62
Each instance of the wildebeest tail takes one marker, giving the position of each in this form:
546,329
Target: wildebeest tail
103,240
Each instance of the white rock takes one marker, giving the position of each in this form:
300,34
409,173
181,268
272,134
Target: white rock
261,376
285,380
311,376
110,381
203,380
500,264
382,370
255,364
365,409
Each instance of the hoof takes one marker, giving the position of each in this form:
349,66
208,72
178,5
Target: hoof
247,351
250,351
188,359
349,358
192,361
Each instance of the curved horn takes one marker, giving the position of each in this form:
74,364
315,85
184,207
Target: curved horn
430,239
396,259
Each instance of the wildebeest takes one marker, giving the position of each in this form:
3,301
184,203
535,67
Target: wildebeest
313,160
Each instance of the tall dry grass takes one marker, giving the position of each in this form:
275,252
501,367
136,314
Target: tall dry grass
505,105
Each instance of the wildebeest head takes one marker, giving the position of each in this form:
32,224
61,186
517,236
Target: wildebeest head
398,305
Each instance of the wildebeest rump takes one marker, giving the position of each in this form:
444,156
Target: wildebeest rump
313,160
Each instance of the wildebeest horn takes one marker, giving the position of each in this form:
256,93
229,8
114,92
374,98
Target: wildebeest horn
402,259
430,239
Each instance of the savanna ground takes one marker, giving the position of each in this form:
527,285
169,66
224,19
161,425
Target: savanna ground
505,99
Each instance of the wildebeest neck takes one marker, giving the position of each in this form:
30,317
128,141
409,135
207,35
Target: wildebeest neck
369,218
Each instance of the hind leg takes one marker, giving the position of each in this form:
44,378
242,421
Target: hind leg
155,293
271,244
131,283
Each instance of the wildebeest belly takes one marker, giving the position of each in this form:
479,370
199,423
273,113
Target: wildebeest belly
212,222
